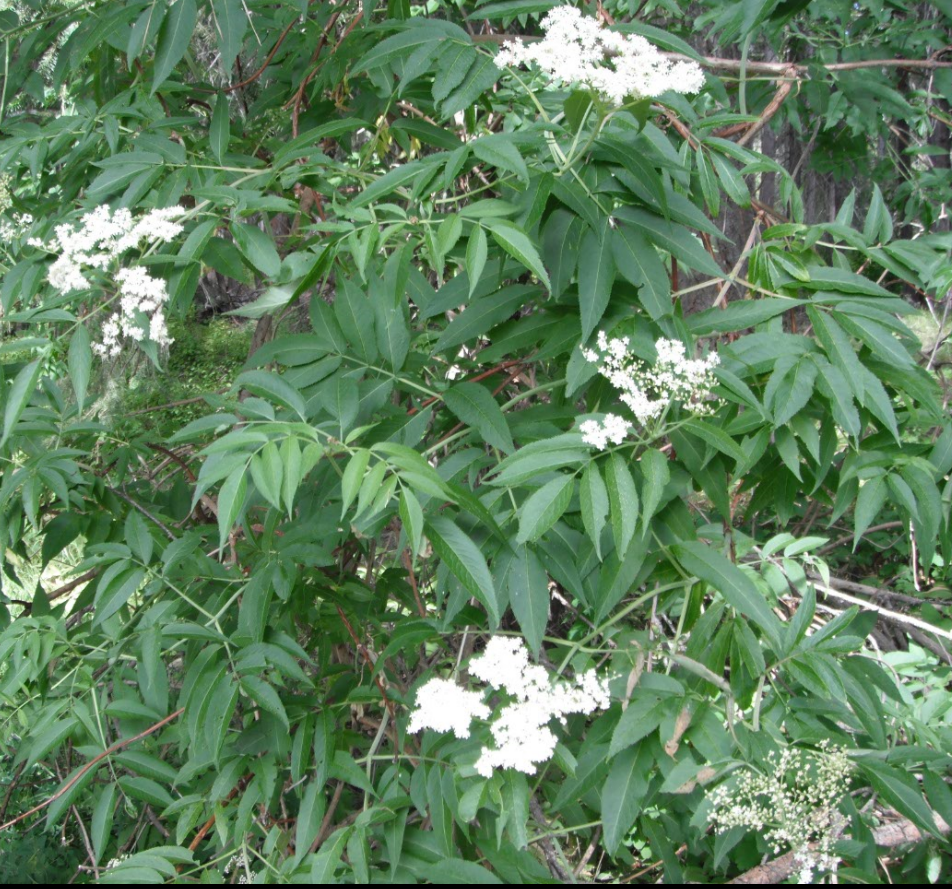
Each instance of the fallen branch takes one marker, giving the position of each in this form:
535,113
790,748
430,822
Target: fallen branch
893,616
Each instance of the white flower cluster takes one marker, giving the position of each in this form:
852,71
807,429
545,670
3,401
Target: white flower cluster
520,730
578,50
647,391
237,863
97,243
444,706
793,806
17,227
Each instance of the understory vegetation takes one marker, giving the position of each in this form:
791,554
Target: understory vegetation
478,441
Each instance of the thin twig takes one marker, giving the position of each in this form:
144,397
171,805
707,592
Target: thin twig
92,764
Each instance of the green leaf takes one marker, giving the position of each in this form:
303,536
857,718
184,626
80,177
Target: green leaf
482,74
477,408
596,275
518,245
271,386
18,396
80,363
644,713
356,318
500,151
654,468
231,23
411,515
623,497
267,472
739,314
544,508
266,697
717,438
115,589
138,537
219,130
839,350
465,560
675,239
353,477
869,502
623,794
732,583
49,739
325,862
476,252
309,819
231,500
257,248
789,388
528,586
639,263
901,792
539,456
101,827
483,315
174,38
458,872
593,499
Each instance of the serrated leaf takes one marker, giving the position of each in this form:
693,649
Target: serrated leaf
174,38
593,499
623,497
80,363
465,561
265,697
500,151
411,516
596,275
476,253
356,318
219,130
18,396
271,386
528,586
115,590
518,245
654,469
477,408
231,499
231,23
869,502
544,508
735,586
101,826
257,248
623,793
639,263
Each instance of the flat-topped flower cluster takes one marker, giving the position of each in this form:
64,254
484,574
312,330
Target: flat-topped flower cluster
578,50
520,730
793,804
647,390
100,239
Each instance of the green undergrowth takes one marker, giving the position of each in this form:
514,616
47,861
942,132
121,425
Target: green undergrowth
204,358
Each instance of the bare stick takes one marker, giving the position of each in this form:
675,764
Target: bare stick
125,742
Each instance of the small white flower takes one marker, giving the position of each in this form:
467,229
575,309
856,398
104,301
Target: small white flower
578,50
444,706
521,731
648,391
100,239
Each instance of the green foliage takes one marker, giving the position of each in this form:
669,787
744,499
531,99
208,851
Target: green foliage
281,529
